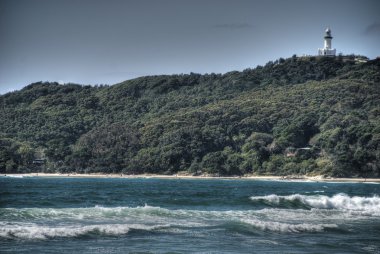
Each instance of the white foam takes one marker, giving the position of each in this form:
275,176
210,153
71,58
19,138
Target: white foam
287,227
34,231
368,205
82,213
273,198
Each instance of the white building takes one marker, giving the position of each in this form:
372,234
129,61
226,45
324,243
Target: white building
327,50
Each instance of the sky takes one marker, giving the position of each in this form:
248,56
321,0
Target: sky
109,41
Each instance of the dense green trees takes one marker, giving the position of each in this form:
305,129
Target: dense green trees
309,115
15,156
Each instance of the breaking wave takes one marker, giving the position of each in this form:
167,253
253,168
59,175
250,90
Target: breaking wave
47,223
288,227
365,205
89,213
34,231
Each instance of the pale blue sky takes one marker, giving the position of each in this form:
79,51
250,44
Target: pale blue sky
105,42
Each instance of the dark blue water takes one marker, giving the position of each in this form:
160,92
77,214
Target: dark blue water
118,215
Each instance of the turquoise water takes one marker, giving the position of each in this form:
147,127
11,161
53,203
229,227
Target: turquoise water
118,215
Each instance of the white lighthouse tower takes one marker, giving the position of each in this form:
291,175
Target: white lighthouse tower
327,50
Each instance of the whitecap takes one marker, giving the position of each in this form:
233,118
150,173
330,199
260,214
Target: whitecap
367,205
288,227
34,231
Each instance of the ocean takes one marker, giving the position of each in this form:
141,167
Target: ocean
150,215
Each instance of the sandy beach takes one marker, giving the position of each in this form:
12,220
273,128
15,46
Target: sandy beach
181,176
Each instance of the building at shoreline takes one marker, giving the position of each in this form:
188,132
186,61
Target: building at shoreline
327,50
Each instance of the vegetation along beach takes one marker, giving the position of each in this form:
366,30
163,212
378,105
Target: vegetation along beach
295,116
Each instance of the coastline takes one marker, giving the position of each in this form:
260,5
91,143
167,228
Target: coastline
181,176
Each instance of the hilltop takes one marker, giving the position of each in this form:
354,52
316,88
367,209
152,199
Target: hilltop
310,115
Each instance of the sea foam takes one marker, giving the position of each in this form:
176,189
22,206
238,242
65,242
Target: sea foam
367,205
288,227
34,231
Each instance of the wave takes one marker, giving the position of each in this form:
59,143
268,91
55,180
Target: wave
46,223
366,205
288,227
78,213
38,232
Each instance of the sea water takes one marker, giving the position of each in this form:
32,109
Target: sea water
120,215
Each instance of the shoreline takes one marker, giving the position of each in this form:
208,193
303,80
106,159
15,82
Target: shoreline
179,176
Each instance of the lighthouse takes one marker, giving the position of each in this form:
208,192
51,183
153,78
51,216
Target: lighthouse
327,50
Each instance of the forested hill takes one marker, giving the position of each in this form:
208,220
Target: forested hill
306,115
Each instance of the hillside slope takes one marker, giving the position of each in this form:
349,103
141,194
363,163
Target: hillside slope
292,116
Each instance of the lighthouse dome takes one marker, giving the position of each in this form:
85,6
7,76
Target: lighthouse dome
328,33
